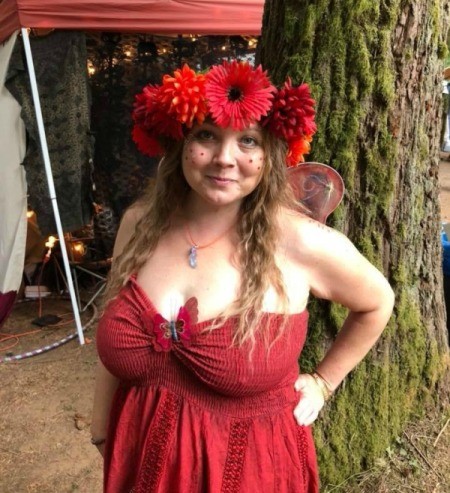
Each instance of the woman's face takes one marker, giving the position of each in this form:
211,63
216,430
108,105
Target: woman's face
221,165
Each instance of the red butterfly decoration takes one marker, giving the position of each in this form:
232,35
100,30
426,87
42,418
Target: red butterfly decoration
166,332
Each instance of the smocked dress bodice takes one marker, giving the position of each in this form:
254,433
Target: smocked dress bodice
196,413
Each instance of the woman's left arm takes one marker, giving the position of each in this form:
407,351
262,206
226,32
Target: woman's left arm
338,272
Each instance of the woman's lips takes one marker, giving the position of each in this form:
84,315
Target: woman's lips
218,180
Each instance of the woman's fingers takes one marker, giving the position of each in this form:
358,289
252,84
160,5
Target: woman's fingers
311,400
306,418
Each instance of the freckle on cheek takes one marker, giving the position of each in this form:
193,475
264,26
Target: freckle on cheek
251,161
202,153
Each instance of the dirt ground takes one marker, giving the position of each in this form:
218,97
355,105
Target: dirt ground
45,404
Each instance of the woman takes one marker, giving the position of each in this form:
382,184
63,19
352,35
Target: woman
198,388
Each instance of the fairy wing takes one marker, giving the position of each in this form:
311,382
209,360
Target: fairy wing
318,187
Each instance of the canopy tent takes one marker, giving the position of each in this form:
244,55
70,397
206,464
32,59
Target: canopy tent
152,16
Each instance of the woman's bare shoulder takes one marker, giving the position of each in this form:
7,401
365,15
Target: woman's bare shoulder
134,213
127,227
303,235
335,269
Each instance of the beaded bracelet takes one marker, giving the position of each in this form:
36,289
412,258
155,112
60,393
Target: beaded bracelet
98,441
323,385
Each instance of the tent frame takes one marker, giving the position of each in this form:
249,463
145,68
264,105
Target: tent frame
50,181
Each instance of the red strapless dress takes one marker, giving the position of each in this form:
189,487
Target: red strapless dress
198,416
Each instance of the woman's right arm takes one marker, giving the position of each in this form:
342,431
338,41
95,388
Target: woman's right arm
105,388
105,383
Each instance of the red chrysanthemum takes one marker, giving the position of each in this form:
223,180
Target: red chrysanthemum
146,144
237,94
297,149
151,113
292,113
184,96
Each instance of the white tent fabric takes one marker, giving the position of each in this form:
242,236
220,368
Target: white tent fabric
13,189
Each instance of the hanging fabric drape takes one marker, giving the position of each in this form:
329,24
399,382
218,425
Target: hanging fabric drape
60,61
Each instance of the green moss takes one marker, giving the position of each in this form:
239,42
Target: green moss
290,24
387,390
338,314
434,365
360,59
442,50
435,16
408,55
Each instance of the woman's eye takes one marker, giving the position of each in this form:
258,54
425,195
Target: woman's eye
249,141
204,135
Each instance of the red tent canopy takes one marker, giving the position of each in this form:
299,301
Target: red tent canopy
152,16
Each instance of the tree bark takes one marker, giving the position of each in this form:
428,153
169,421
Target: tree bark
374,67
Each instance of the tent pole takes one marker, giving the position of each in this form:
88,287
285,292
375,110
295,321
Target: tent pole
51,185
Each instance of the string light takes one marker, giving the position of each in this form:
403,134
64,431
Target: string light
79,248
90,68
50,243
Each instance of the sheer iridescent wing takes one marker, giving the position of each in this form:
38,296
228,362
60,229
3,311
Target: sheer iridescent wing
317,187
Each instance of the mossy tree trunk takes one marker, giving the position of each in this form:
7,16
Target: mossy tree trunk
375,71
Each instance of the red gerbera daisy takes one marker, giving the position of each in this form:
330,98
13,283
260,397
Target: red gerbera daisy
184,95
297,149
146,144
237,94
292,112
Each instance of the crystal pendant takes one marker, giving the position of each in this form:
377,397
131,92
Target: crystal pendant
193,256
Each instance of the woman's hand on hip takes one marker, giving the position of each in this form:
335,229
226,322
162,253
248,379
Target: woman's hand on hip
311,399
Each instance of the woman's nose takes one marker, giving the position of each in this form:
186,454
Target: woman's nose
225,153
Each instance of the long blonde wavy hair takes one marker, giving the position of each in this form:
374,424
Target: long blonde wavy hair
256,229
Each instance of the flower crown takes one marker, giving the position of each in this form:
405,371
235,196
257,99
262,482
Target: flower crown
233,95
